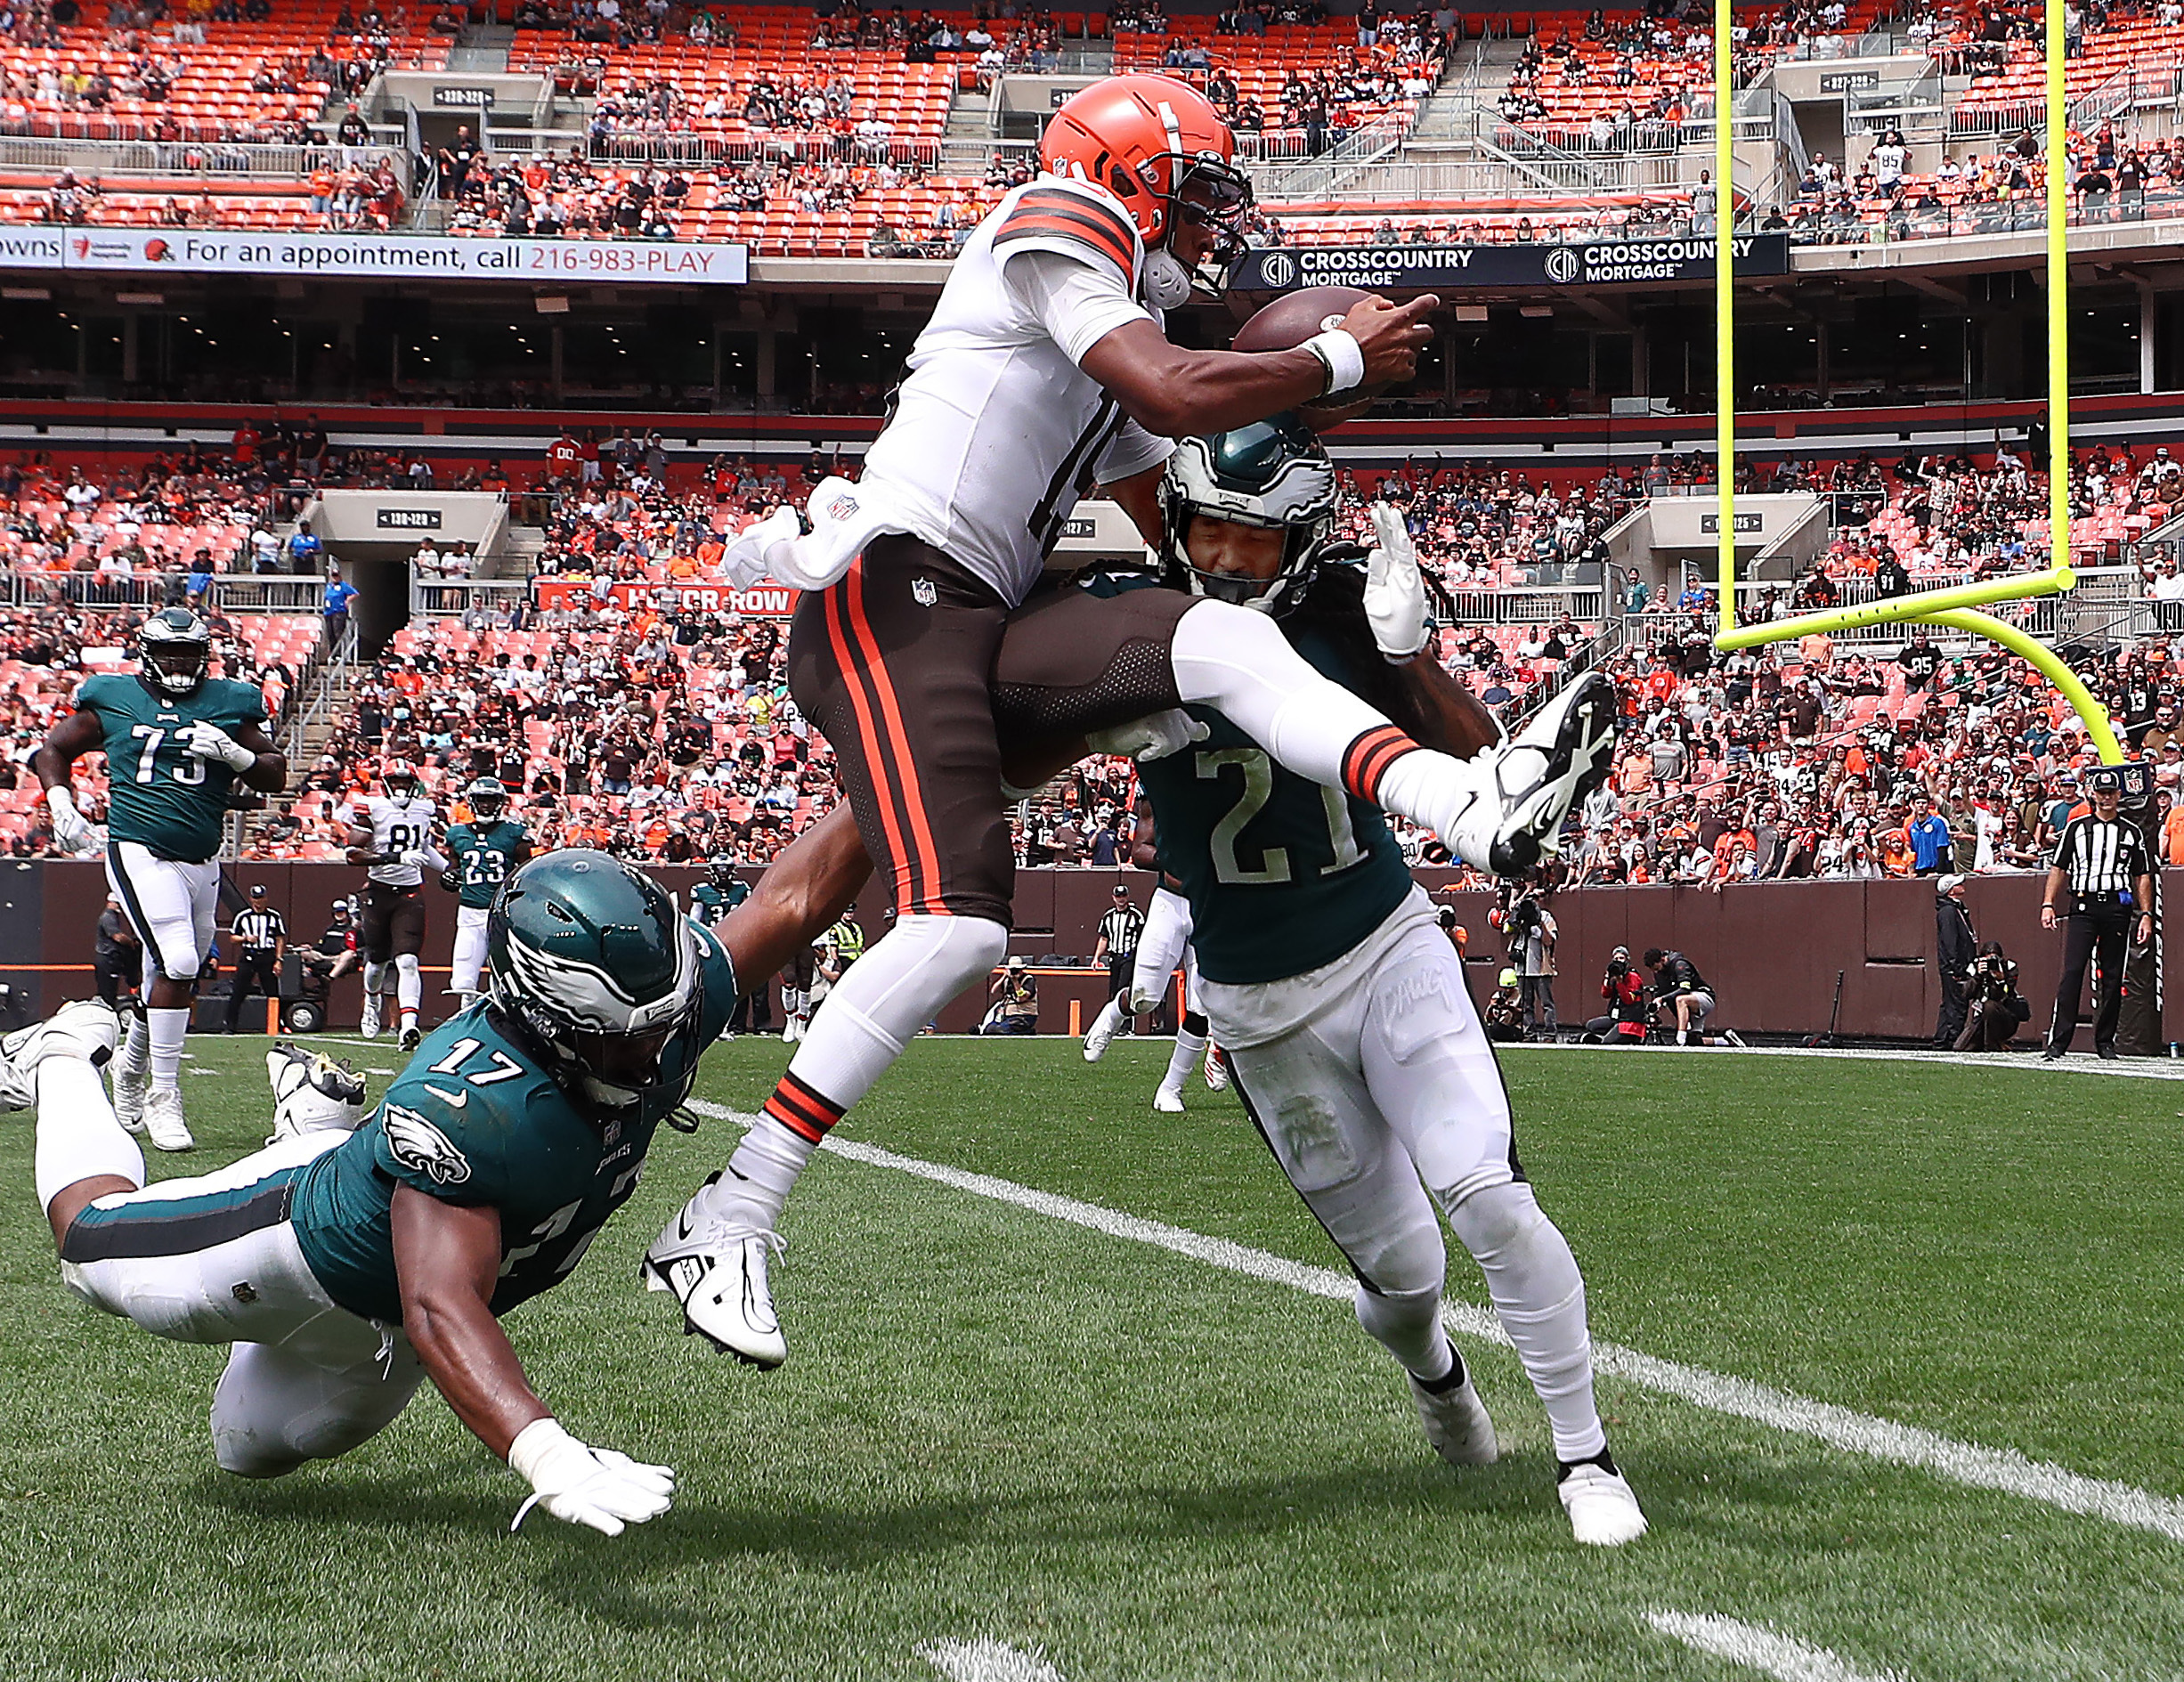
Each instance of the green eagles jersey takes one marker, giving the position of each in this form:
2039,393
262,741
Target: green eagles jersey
1283,875
710,902
476,1119
482,855
162,798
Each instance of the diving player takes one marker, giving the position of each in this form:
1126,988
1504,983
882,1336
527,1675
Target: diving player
392,833
1045,370
1342,1009
482,855
355,1256
176,741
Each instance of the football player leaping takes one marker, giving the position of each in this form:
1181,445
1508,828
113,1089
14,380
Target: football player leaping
482,855
356,1256
176,741
1350,1033
1044,370
391,833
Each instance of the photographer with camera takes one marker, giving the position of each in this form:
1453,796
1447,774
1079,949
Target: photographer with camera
1681,996
1528,927
1504,1016
1624,988
1995,1010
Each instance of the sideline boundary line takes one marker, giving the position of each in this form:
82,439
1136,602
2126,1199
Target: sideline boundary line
1971,1464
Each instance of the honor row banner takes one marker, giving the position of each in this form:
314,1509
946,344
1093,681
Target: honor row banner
1444,268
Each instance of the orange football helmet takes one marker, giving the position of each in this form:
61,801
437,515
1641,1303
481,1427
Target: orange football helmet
1159,146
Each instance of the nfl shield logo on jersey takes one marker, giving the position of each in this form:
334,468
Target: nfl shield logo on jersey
925,591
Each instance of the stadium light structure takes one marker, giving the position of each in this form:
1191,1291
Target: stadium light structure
1954,608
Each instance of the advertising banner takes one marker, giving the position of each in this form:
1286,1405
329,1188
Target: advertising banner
760,601
320,256
1452,268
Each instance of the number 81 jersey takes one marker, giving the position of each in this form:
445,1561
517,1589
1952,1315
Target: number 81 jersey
1284,875
160,797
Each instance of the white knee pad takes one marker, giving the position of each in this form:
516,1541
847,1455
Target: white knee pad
406,966
1406,1323
1494,1221
273,1411
1402,1255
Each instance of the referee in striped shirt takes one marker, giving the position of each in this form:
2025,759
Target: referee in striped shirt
2101,862
260,933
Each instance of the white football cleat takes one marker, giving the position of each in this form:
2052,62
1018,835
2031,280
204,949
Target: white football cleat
367,1025
1533,779
1603,1512
1168,1101
411,1038
311,1093
1456,1422
128,1094
1101,1034
85,1030
717,1273
1216,1070
163,1119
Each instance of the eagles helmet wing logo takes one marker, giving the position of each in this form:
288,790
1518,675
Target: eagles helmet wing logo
416,1143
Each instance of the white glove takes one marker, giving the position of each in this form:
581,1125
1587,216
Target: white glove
206,741
1394,590
752,556
1154,736
582,1485
71,829
419,859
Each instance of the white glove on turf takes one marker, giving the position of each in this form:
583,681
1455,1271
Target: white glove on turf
71,829
582,1485
1154,736
206,741
1394,590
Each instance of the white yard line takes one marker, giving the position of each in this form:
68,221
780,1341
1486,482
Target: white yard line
986,1660
2076,1063
2005,1470
1761,1649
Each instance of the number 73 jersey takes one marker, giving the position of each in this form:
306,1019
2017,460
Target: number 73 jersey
160,797
1284,875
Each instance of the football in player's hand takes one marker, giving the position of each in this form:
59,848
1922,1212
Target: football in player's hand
1296,316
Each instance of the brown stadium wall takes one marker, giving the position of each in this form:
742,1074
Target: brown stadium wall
1771,950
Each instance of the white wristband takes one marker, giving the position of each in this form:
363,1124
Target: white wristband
1344,358
59,799
534,1442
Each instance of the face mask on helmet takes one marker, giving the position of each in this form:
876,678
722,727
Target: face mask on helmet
174,650
1246,513
1208,194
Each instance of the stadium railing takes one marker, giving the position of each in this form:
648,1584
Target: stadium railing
233,592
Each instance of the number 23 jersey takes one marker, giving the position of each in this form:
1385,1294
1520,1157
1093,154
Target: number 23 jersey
160,797
475,1119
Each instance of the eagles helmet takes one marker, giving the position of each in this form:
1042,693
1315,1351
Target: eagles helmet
721,867
1274,474
174,649
593,964
488,798
400,780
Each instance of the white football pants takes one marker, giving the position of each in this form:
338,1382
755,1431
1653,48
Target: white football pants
172,905
1163,943
469,948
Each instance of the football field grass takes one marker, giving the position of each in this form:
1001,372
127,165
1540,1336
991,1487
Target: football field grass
998,1426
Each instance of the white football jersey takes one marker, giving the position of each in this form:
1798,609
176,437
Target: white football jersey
397,826
995,431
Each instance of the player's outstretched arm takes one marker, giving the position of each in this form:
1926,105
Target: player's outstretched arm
447,1259
1176,392
799,898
